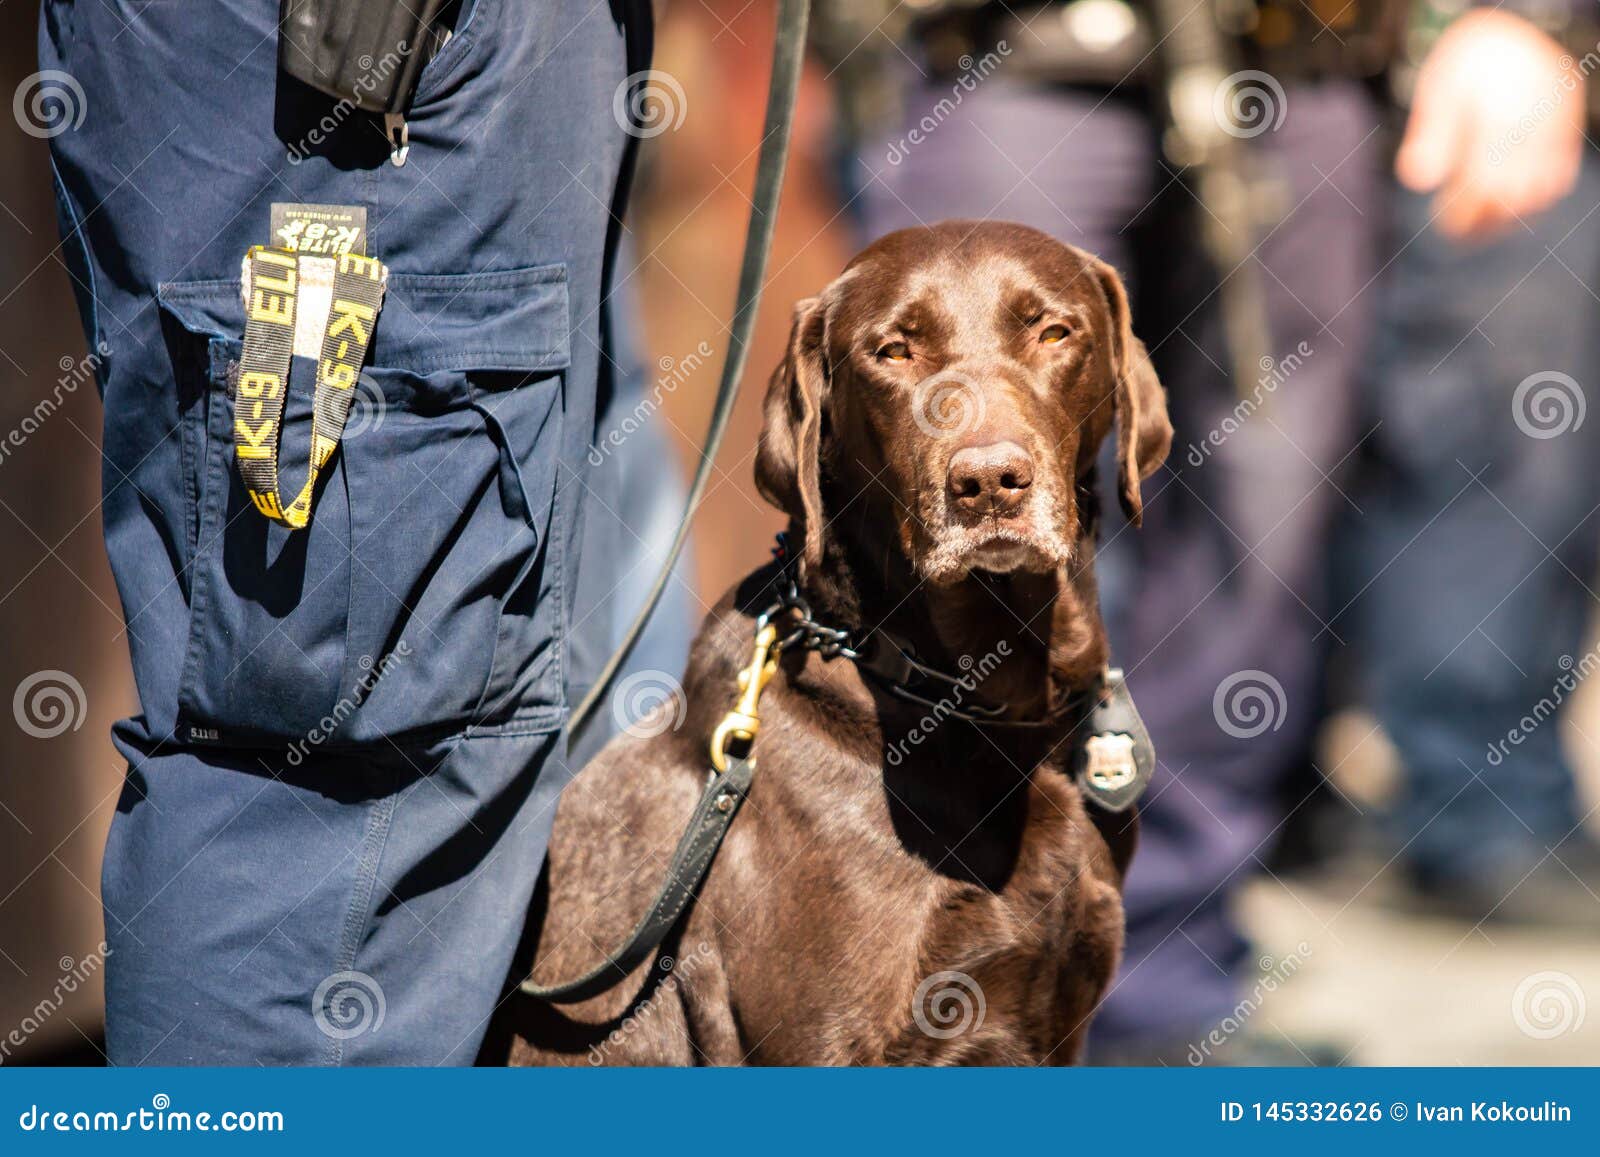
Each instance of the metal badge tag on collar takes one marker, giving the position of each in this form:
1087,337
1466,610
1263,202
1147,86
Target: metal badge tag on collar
1117,759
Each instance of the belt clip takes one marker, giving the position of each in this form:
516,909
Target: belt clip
399,134
743,722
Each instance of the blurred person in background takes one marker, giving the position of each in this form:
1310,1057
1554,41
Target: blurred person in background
634,494
1225,159
1473,562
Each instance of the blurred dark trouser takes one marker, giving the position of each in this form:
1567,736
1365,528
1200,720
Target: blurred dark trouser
1476,552
634,493
1220,598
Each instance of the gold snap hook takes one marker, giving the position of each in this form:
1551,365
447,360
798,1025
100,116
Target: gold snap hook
743,722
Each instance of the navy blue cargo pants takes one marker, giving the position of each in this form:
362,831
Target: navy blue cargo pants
349,742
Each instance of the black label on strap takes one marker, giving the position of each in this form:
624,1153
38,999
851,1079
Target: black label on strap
320,230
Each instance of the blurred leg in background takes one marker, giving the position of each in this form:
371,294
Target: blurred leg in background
1476,557
634,491
1477,554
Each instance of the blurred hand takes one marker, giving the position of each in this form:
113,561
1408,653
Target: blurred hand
1496,125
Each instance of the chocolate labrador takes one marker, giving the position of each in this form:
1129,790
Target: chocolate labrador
916,876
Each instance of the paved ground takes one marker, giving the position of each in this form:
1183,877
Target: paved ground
1394,989
1388,987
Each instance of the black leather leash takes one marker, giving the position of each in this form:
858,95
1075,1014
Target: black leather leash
691,860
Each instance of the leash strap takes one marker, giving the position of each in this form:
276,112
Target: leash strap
788,52
272,297
691,860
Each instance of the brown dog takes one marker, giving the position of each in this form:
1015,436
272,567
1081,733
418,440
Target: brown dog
903,885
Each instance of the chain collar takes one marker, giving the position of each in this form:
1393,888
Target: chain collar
1113,758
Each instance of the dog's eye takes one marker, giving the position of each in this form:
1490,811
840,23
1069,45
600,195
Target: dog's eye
1053,334
895,351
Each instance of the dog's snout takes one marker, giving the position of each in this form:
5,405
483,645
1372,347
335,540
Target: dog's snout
992,479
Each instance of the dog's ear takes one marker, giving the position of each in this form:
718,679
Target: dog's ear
1144,435
787,462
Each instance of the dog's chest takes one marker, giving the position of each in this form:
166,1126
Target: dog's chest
985,986
929,960
997,973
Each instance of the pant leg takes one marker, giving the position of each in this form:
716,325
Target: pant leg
424,612
361,908
1067,162
1476,551
1231,605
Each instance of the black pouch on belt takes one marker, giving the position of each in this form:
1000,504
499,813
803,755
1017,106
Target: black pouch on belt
367,52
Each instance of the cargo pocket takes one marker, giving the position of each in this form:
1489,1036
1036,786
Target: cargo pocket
423,580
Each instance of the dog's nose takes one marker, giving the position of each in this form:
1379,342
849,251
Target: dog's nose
991,479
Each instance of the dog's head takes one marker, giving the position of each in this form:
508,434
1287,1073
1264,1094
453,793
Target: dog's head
966,372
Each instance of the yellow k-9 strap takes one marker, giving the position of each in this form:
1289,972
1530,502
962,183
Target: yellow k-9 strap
275,275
